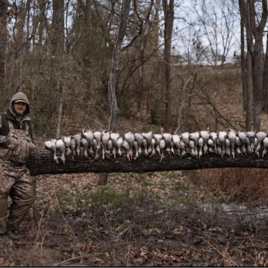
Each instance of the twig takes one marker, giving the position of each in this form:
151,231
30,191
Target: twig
65,219
71,259
220,252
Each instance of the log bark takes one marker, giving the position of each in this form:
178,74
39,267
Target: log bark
41,162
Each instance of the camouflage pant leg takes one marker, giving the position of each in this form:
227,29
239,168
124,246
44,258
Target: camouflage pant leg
16,182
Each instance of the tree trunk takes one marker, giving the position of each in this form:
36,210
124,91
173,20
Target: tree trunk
265,79
57,33
169,19
3,38
140,91
112,86
41,162
255,28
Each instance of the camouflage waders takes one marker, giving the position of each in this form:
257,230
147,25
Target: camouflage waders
15,180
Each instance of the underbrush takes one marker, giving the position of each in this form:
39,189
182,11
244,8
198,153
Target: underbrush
233,184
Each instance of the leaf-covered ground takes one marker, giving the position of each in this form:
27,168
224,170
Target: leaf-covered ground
152,219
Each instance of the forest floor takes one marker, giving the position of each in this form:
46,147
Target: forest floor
155,219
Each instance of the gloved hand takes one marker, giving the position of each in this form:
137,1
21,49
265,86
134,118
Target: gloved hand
3,140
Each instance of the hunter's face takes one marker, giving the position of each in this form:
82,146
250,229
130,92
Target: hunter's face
20,108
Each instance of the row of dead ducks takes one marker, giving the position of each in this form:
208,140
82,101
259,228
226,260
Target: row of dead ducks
196,144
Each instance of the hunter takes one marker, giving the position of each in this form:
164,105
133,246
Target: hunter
16,140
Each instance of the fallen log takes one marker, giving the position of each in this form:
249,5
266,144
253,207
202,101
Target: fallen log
41,162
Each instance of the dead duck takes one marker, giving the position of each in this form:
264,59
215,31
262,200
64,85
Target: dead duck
138,139
77,138
67,142
129,137
162,146
168,140
260,136
185,137
153,151
192,146
201,143
211,146
105,136
157,138
227,147
238,145
251,137
51,145
242,136
214,137
232,137
205,136
119,145
88,135
97,137
176,141
114,139
222,137
73,146
265,146
148,136
84,143
183,151
61,147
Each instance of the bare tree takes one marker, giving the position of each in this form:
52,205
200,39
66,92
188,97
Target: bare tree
115,65
254,14
168,9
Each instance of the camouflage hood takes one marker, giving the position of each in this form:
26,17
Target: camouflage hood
20,96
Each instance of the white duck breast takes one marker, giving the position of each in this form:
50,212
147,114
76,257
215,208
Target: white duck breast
167,137
185,137
238,145
195,137
157,138
67,142
260,137
97,136
214,137
205,136
61,147
200,146
126,146
120,142
192,148
153,147
211,146
89,137
265,146
104,138
129,137
227,147
114,139
176,140
248,145
51,145
136,147
144,143
139,138
232,138
182,149
148,136
109,147
251,137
